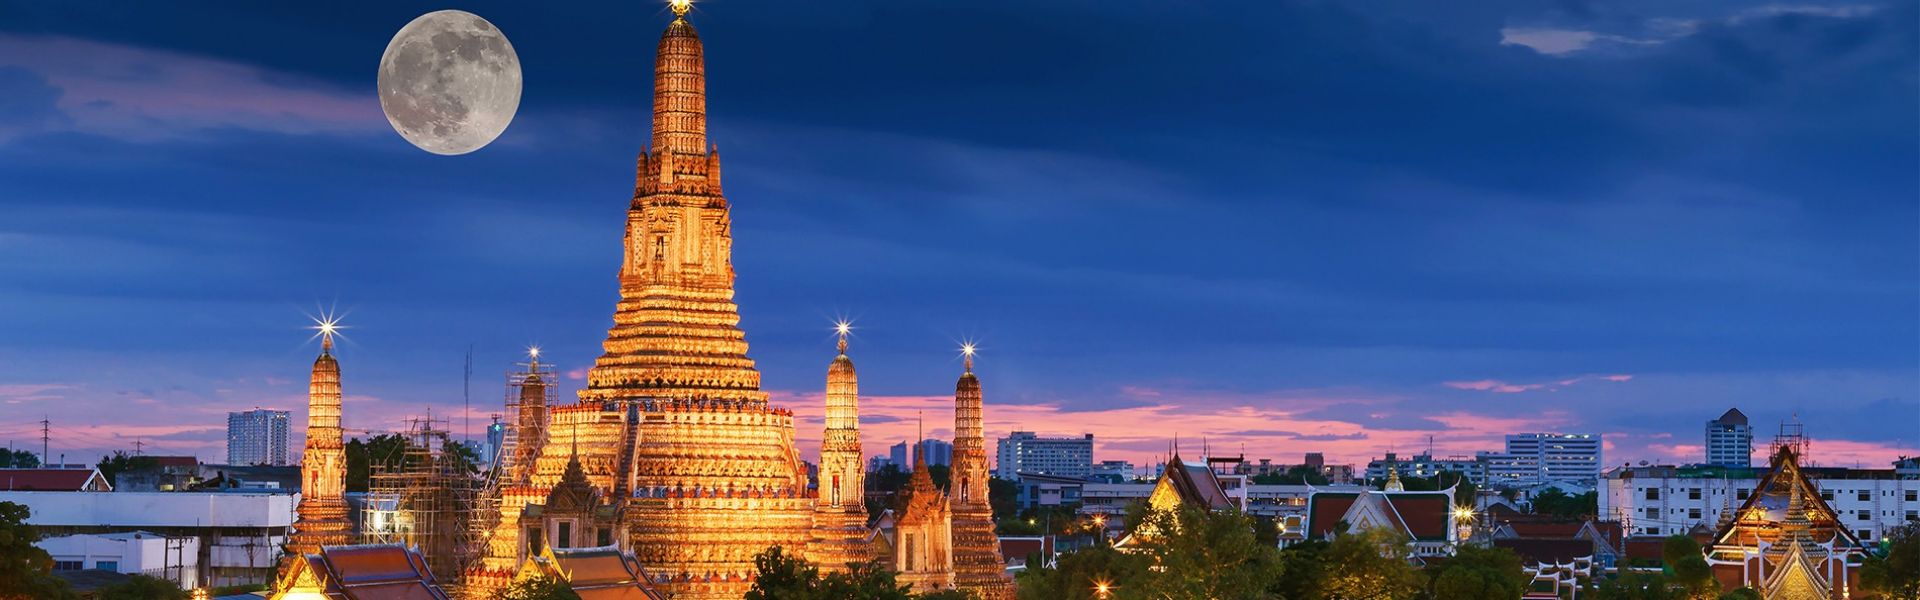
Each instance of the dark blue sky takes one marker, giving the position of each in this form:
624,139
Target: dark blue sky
1297,226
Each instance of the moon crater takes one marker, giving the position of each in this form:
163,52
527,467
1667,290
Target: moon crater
449,82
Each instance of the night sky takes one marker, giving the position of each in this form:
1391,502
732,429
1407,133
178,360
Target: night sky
1285,226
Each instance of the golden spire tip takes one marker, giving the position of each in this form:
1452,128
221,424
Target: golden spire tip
968,349
843,329
680,7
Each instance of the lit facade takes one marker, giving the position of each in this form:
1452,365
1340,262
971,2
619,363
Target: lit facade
257,437
323,467
977,564
1785,541
840,511
1536,458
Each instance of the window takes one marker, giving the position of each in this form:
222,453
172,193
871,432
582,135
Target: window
1913,495
1693,513
565,537
1913,515
1653,493
1693,494
107,565
1864,535
68,565
1827,496
1652,531
1653,513
1743,493
533,540
836,491
604,537
1865,515
1865,495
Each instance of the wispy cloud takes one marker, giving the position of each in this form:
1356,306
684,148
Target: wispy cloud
136,93
1567,40
1505,387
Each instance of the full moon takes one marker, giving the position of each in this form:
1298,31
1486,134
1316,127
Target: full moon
449,82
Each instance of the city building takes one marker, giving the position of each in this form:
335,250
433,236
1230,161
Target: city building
175,559
54,480
1111,499
1027,452
1423,465
1113,471
1730,440
257,437
168,473
876,464
1536,458
236,536
1662,500
938,453
1033,490
496,437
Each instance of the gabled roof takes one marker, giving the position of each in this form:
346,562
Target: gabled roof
1424,516
53,480
365,572
1769,500
1194,485
597,573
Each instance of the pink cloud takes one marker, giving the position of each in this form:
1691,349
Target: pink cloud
142,93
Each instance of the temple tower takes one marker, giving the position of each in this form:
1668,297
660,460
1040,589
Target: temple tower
323,466
923,536
978,566
672,416
514,486
840,511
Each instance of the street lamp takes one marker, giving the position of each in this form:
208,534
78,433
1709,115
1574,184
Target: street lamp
1102,589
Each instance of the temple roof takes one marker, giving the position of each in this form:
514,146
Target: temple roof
1761,515
1425,516
53,480
364,572
1195,485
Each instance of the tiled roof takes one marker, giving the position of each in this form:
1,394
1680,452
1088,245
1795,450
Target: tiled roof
1547,551
45,480
1420,515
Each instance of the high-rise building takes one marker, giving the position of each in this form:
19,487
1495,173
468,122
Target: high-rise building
938,453
1113,471
1535,458
1730,440
257,437
1027,452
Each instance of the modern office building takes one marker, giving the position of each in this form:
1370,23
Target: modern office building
257,437
1113,471
1422,465
1730,440
235,537
1027,452
175,559
938,453
1536,458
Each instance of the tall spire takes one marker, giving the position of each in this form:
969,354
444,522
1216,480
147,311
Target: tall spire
978,566
323,466
680,89
840,514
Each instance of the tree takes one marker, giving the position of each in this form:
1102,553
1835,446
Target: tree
784,577
1474,573
1075,574
1634,586
1553,501
388,450
539,587
1895,570
1003,496
142,587
18,459
1302,572
1370,564
25,569
112,466
1741,594
1199,553
1689,567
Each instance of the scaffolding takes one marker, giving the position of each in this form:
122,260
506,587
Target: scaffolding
530,393
424,498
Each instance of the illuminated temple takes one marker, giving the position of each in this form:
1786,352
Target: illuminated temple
672,472
323,466
1785,541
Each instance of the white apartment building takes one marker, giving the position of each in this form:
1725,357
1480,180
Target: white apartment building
175,559
1669,500
237,535
257,437
1027,452
1536,458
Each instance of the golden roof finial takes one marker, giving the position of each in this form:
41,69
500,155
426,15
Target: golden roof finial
967,350
843,328
680,7
533,357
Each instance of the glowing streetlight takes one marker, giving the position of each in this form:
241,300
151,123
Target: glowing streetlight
1102,589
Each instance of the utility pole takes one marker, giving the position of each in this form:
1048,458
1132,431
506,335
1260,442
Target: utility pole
466,399
46,427
137,446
